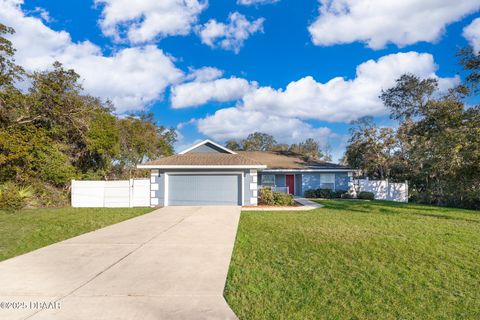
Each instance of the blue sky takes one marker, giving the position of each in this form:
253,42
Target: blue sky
253,52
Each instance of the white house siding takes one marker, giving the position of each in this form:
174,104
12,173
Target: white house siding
157,188
250,188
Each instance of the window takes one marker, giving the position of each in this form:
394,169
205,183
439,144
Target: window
327,181
268,179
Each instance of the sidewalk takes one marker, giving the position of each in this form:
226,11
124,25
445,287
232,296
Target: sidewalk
305,205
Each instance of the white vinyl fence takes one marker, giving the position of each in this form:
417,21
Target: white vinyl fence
111,194
384,190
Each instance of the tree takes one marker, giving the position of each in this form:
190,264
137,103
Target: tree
281,147
141,139
409,97
310,149
372,149
439,140
258,141
55,132
233,145
470,61
9,71
10,97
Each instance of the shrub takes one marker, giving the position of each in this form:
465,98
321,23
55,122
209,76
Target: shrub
324,193
311,193
319,193
13,197
346,195
283,199
338,194
365,195
268,197
47,196
265,197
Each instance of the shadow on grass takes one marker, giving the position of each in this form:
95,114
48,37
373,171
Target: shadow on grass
396,208
444,217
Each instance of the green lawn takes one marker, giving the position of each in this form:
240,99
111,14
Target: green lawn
357,260
28,230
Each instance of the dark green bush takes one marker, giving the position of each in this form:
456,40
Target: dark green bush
324,193
319,193
346,195
365,195
337,194
283,199
13,197
311,193
265,197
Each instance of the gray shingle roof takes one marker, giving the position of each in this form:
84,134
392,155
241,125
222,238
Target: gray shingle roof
205,159
288,160
272,159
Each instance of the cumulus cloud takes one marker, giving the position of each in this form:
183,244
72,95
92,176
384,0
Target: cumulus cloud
196,93
132,78
472,34
344,100
204,74
146,20
231,123
230,36
379,22
337,100
255,2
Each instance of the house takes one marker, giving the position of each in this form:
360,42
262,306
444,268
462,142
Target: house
210,174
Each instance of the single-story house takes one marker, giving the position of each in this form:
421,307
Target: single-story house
210,174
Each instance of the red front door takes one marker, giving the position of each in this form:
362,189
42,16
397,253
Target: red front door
290,183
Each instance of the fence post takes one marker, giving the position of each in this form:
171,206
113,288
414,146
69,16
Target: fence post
406,191
72,201
130,202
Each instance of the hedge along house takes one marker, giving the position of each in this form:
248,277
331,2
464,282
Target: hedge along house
210,174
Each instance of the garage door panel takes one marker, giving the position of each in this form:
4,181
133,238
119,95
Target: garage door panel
209,189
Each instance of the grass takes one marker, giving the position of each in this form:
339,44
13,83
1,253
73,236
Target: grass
357,260
28,230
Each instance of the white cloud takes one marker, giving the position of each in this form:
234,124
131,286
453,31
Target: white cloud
132,78
229,36
44,14
196,93
472,34
204,74
340,99
255,2
146,20
234,123
283,112
379,22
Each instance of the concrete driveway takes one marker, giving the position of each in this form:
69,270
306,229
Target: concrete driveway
169,264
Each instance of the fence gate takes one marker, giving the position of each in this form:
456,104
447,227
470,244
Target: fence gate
111,194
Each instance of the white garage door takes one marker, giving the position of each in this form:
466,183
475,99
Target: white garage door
204,189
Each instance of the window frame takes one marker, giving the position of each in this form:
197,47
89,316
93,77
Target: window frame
268,183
